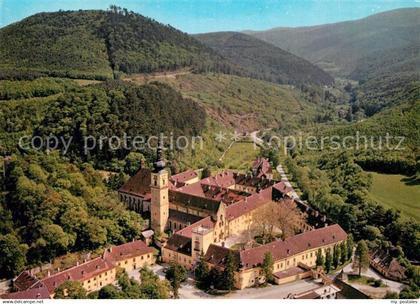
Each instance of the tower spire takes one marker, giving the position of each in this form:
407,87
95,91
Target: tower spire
159,164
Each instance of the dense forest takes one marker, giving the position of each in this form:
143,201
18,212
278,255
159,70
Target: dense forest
336,185
122,110
50,207
112,108
265,61
99,45
400,122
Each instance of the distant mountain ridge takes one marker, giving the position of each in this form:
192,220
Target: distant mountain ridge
344,46
99,44
264,60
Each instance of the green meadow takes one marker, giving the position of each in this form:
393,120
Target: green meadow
397,191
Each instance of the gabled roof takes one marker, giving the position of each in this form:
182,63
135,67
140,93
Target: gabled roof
80,272
183,177
179,243
293,245
216,255
261,166
190,200
282,187
34,293
126,251
250,203
24,281
206,222
183,217
138,184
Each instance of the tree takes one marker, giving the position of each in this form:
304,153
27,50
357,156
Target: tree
176,274
328,260
228,274
133,162
12,255
54,241
268,267
343,250
277,216
319,258
70,290
206,172
337,256
152,287
391,295
361,257
201,273
350,245
215,279
272,155
110,292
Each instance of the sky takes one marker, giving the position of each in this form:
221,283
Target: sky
199,16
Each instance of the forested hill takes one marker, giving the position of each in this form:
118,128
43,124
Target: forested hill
264,60
98,44
340,47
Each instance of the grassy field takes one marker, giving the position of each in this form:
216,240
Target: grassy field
394,191
240,156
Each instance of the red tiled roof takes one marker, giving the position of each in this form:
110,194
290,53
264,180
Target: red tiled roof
262,167
86,270
216,255
224,179
293,245
25,280
308,295
289,272
248,204
183,176
206,222
179,243
126,251
34,293
139,184
182,217
281,186
81,272
213,192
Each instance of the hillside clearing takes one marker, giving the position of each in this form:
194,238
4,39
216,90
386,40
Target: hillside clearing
395,191
240,156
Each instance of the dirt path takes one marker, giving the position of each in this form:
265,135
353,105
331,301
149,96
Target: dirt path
142,78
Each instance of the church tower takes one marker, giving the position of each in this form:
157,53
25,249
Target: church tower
159,190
